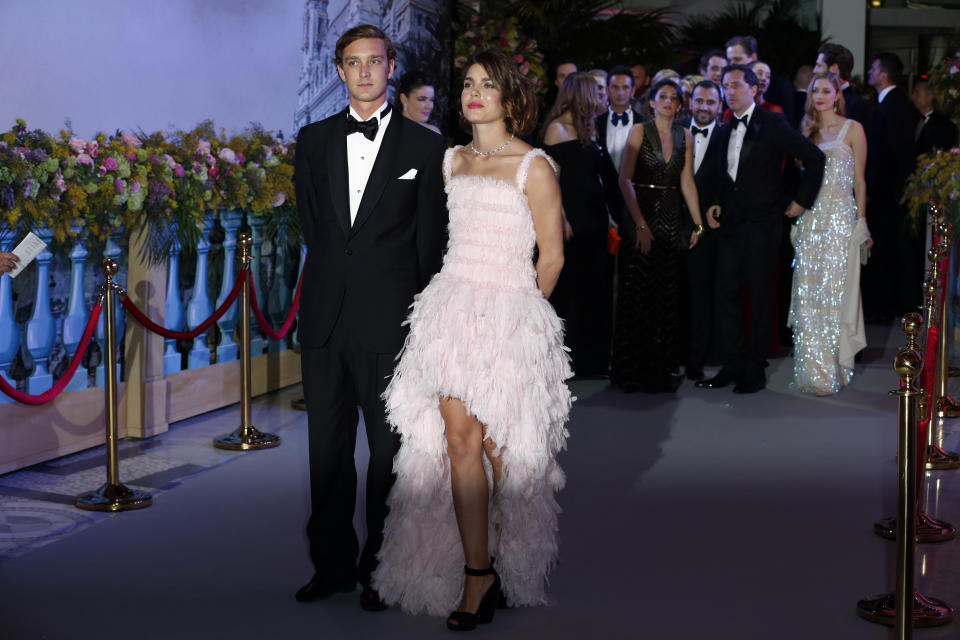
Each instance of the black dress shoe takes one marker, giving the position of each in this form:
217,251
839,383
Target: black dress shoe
722,379
320,588
749,387
694,373
299,404
370,600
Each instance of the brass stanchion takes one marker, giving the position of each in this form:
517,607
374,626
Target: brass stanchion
883,609
936,456
245,437
112,496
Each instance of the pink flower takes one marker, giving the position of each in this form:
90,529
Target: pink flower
178,171
474,18
118,184
210,159
132,157
77,145
241,158
84,158
203,147
135,186
525,68
102,170
518,58
93,149
213,171
129,140
279,198
110,164
170,161
503,42
197,166
227,155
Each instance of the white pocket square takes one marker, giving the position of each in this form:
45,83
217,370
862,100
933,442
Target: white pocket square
409,175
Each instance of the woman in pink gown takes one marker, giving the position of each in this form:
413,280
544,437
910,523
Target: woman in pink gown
478,395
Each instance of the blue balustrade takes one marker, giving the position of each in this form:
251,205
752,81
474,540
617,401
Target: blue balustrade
256,231
77,313
201,306
279,297
303,259
9,331
114,251
173,311
227,350
42,327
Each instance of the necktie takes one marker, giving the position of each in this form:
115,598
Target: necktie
740,121
620,118
368,127
699,132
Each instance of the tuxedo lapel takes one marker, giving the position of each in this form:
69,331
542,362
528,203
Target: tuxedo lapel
748,139
381,172
723,144
337,175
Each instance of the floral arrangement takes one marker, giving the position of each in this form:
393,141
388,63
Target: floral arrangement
162,184
935,183
944,79
502,33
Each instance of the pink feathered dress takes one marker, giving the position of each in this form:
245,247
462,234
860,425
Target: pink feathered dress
482,332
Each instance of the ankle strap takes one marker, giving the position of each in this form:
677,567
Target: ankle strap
478,572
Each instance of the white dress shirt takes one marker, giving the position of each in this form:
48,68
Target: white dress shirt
361,154
883,94
617,137
736,142
700,143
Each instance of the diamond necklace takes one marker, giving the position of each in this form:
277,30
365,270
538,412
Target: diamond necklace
492,151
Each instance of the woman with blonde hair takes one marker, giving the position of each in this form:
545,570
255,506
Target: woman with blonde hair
584,293
825,309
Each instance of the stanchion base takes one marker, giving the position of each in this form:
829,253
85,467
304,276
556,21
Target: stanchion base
113,497
246,439
948,408
927,612
939,459
928,529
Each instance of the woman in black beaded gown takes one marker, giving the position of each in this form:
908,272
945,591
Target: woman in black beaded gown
583,296
657,171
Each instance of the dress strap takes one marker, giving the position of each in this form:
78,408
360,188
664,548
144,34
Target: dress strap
843,131
448,162
524,167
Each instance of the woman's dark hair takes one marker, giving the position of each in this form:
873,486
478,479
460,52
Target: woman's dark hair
666,82
517,97
411,81
578,97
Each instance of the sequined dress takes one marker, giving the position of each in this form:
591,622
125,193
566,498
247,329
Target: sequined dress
825,309
482,332
646,349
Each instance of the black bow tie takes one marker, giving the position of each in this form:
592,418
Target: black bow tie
740,121
368,127
699,132
620,118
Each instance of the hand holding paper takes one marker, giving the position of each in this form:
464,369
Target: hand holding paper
25,252
8,262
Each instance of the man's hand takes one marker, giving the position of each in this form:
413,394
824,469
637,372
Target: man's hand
567,230
8,262
713,213
794,210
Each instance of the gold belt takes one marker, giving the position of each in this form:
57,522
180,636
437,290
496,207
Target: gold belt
654,186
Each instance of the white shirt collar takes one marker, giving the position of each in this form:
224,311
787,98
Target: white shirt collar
748,114
843,85
708,127
928,114
883,94
378,114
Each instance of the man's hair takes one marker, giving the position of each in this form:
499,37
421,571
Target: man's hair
357,33
749,44
516,95
563,61
748,75
837,54
891,64
599,74
620,70
708,84
713,53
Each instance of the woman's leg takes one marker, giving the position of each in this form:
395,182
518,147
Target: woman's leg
468,481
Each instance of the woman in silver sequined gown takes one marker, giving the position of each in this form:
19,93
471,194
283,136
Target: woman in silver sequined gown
825,310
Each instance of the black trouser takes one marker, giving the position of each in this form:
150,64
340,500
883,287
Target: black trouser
746,255
701,265
337,378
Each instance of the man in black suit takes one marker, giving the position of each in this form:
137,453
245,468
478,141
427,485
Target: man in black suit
613,127
372,210
934,130
837,59
700,262
896,261
751,148
744,50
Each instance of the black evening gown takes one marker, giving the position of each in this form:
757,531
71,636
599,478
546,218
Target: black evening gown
583,297
646,350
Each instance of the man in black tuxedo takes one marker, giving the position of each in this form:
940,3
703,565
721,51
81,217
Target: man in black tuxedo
837,59
745,50
372,210
896,262
934,130
751,148
613,126
700,262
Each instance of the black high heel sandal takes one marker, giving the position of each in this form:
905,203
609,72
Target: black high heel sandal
466,621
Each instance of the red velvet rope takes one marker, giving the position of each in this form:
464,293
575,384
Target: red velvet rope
141,317
275,335
58,386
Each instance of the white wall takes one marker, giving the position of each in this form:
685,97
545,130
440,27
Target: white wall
845,22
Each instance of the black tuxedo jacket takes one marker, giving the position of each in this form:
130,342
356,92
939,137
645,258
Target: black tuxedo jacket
758,191
376,266
611,185
706,176
939,132
890,156
854,106
602,122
